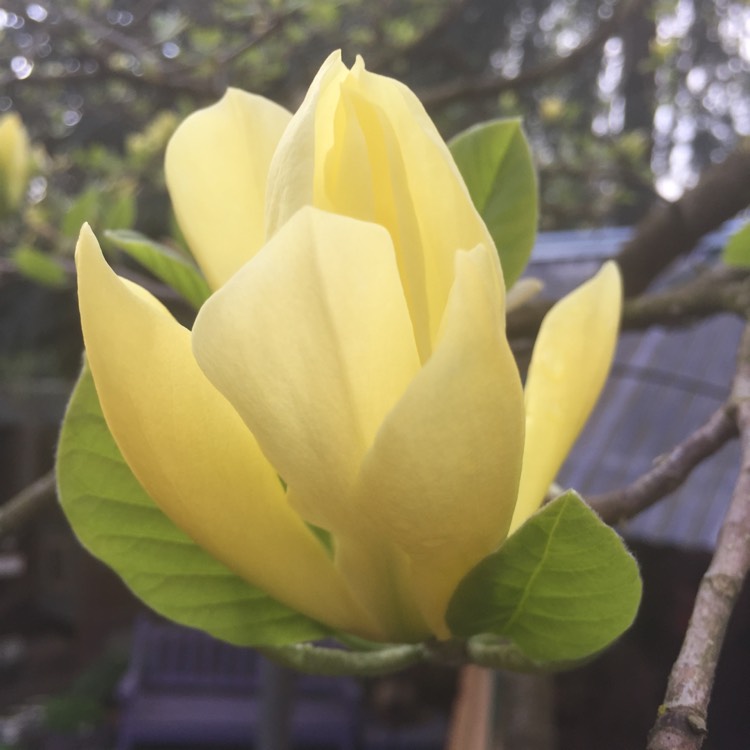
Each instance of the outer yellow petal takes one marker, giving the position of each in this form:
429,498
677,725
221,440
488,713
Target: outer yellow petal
311,342
190,450
216,167
569,365
442,476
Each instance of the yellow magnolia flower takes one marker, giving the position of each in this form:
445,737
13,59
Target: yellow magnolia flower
15,157
350,371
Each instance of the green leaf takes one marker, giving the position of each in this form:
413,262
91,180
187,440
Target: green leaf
561,588
119,523
40,267
120,211
166,264
737,250
85,208
495,161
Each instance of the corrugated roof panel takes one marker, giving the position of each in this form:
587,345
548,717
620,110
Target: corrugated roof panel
664,384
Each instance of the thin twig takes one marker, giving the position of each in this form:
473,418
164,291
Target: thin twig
274,26
27,503
716,291
393,53
439,96
681,724
669,471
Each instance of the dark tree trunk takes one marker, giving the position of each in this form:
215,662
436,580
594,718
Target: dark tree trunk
638,90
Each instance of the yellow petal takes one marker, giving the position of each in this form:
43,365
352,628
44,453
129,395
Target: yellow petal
190,450
311,343
442,476
416,191
570,362
362,145
298,158
216,168
522,292
380,574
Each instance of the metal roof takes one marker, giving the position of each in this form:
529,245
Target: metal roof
664,384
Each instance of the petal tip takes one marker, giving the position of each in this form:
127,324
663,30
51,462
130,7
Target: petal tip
611,271
87,242
608,280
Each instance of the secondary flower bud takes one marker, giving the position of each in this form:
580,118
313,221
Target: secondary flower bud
15,157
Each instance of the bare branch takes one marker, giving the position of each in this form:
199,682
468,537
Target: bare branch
669,471
441,95
202,90
27,503
274,26
721,290
681,724
672,229
470,724
387,57
106,35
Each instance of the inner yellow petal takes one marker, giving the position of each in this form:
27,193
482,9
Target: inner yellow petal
292,174
361,145
419,195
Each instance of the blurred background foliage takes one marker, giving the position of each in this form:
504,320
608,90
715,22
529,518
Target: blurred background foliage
626,102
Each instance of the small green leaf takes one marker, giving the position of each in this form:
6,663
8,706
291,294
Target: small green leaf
120,211
85,208
40,267
737,250
119,523
166,264
561,588
495,161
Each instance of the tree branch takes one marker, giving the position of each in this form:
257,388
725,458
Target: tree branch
438,96
27,503
669,471
716,291
388,56
470,727
172,85
672,229
681,724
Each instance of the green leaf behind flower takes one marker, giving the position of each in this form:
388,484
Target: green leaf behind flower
737,250
82,209
120,210
119,523
561,588
40,267
166,264
495,161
